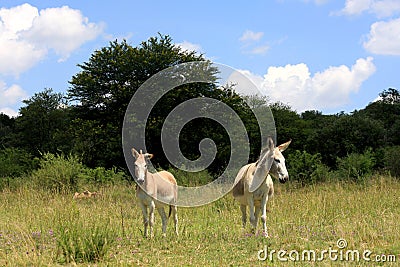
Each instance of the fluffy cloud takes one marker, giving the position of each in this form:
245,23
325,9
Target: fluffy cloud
384,38
185,45
251,36
381,8
61,29
250,41
330,88
27,35
9,96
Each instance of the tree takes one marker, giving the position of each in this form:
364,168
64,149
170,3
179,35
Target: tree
343,134
43,123
7,126
390,96
289,125
387,111
103,88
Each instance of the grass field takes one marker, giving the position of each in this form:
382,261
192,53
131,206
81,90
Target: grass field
42,229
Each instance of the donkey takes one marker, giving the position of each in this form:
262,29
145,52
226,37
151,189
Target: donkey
155,190
253,184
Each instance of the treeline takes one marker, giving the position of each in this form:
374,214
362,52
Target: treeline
87,121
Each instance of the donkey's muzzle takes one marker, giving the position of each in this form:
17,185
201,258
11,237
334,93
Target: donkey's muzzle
283,180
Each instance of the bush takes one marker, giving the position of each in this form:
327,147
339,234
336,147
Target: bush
392,160
306,168
191,179
58,173
101,175
356,167
15,162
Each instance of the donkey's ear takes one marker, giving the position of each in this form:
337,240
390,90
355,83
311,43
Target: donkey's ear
271,144
263,167
284,146
148,156
135,154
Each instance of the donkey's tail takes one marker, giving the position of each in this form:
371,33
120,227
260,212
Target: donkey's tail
170,211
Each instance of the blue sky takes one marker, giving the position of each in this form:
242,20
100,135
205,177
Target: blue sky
328,55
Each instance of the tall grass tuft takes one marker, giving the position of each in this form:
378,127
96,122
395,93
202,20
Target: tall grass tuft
79,240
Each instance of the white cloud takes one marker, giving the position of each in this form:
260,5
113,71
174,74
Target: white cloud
381,8
384,38
62,29
27,35
9,111
250,36
355,7
10,96
18,56
330,88
259,50
251,40
185,45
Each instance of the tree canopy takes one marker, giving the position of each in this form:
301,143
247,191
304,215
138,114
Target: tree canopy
87,121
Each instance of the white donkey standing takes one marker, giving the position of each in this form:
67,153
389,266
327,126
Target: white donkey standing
159,190
254,186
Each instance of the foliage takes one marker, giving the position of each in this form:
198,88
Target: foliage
191,179
306,168
102,176
88,121
392,160
42,126
390,96
356,167
14,162
7,127
103,88
58,173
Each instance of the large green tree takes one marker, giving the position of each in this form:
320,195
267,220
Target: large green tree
7,126
102,90
43,124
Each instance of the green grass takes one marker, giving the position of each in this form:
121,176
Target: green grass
42,229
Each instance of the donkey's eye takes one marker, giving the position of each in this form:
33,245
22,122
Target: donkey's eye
277,160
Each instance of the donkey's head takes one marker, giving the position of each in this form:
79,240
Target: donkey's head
271,157
278,167
140,165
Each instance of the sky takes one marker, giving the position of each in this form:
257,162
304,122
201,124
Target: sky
326,55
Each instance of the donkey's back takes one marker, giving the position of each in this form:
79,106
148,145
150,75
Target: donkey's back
166,188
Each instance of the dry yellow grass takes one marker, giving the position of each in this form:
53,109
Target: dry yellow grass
310,218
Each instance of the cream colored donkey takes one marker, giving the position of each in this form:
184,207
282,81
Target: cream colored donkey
254,186
155,191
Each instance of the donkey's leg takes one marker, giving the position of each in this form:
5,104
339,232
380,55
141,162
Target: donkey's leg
244,216
164,220
253,221
174,212
145,217
256,215
151,215
264,201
